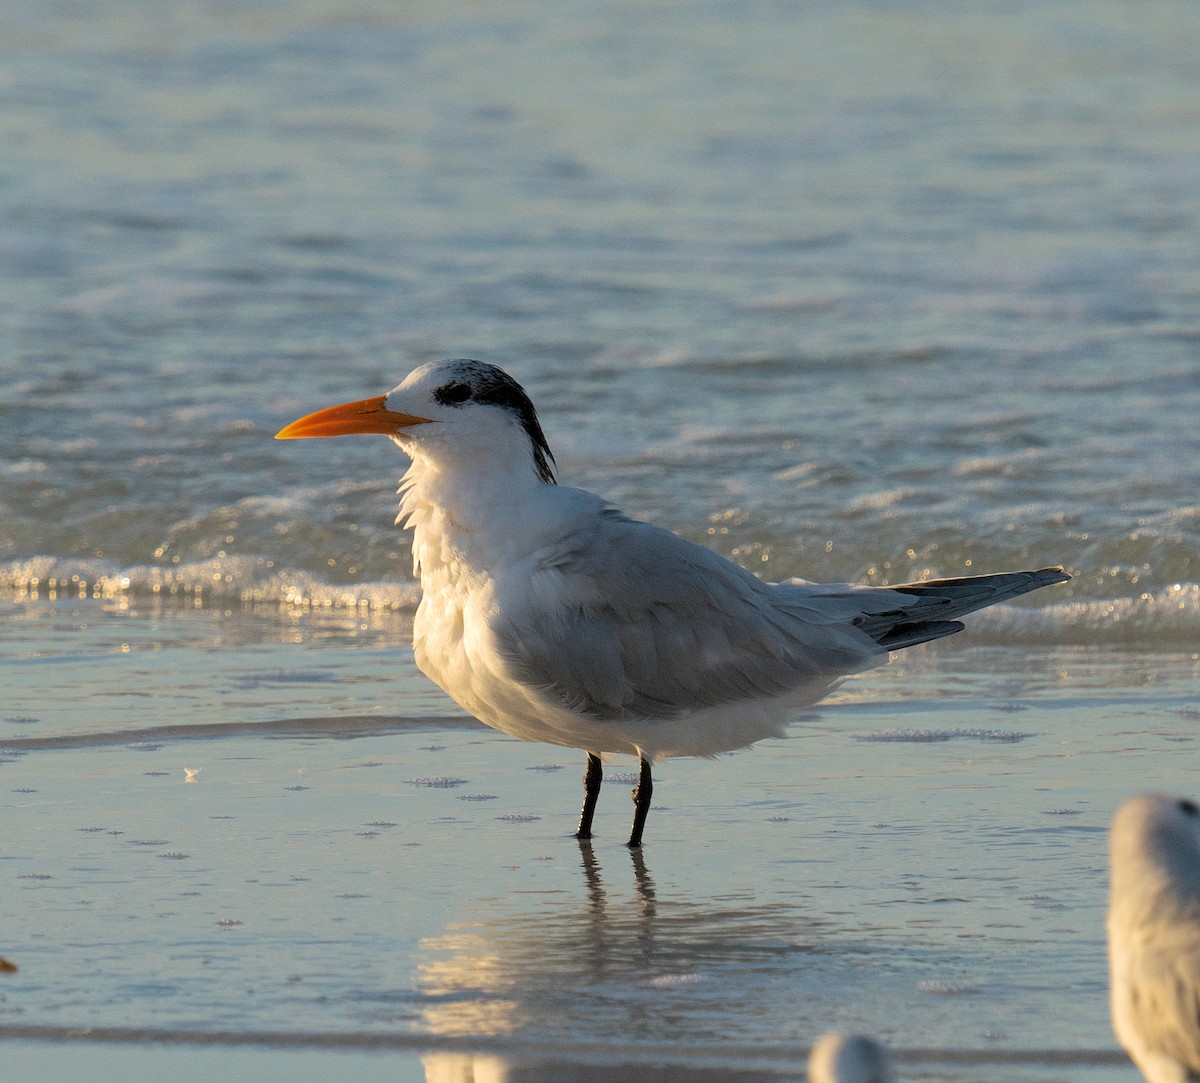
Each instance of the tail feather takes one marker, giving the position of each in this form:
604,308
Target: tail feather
936,603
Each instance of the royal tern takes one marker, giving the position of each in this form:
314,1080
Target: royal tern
1154,935
849,1058
548,614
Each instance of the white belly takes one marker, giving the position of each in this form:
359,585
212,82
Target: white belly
454,647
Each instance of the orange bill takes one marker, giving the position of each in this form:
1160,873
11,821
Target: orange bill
363,416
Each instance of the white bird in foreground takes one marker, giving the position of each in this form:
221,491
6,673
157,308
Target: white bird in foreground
549,615
849,1058
1154,935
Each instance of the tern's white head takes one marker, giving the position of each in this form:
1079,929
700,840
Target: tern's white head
842,1058
1155,848
445,412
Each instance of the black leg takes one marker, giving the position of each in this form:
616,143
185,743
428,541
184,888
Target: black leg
592,778
642,793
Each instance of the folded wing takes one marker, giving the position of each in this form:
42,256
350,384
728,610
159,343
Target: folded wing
626,621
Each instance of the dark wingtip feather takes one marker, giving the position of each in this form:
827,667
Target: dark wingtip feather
909,635
936,603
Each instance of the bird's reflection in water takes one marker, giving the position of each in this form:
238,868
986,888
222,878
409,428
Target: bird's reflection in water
612,961
490,1068
598,901
618,944
494,976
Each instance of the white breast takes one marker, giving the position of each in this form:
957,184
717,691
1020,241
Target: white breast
453,646
461,564
497,551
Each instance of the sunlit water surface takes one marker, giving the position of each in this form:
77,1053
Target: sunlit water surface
853,292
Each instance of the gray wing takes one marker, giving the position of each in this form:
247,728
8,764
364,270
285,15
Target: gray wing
626,621
911,613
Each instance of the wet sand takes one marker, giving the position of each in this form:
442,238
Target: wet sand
215,860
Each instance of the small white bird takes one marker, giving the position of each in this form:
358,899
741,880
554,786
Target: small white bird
1154,935
849,1058
549,615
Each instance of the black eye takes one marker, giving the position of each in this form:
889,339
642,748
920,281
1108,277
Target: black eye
1189,807
454,394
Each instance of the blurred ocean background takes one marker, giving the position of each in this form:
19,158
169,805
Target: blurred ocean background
855,292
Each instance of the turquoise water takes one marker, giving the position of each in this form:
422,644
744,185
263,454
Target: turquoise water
856,293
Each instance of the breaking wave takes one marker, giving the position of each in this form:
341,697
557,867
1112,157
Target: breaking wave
245,579
1166,617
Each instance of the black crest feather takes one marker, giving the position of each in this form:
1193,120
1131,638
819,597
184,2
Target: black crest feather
476,381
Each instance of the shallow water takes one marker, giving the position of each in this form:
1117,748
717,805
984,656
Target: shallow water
924,858
856,293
